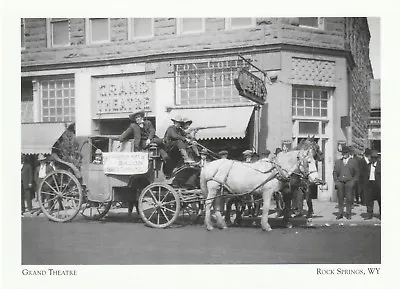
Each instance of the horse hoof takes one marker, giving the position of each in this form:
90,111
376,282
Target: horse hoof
267,229
210,228
224,228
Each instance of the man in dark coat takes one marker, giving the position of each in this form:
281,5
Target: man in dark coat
363,176
373,188
26,184
345,174
175,137
142,131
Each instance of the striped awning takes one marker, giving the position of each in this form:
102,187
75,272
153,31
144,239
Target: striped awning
40,137
234,121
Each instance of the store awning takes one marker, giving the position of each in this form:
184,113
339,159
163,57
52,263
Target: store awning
234,121
40,137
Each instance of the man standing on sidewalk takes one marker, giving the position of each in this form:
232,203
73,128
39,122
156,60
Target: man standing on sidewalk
26,185
363,163
373,188
345,175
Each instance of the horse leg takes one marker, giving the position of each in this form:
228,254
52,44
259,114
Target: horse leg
218,206
228,211
239,208
266,203
130,208
212,188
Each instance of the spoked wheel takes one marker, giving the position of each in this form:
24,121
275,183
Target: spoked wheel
60,196
159,205
95,210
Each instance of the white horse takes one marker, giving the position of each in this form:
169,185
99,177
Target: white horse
263,177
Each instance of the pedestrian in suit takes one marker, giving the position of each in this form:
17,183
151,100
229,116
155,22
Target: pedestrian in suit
41,171
26,184
363,162
373,188
345,175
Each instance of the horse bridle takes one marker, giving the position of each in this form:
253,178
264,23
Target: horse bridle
304,162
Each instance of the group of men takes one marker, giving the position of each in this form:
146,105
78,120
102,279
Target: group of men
357,178
176,136
30,180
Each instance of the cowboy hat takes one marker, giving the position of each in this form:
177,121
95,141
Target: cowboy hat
98,152
247,153
178,118
132,116
41,157
345,150
223,153
186,120
374,154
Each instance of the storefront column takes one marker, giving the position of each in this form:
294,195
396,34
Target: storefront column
83,104
36,100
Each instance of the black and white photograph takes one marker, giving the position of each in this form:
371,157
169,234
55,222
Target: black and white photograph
157,143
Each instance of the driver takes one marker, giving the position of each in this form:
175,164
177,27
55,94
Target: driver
175,137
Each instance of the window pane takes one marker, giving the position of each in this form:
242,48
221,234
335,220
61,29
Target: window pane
60,32
308,103
141,27
316,112
308,127
239,22
99,29
300,111
309,21
308,93
324,112
192,24
308,112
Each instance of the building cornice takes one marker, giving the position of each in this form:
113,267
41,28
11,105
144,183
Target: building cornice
210,53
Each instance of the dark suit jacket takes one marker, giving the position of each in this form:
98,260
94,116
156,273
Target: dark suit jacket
377,172
352,166
26,176
363,168
36,175
137,133
174,133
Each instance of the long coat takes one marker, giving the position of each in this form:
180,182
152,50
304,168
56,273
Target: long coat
363,172
137,133
26,176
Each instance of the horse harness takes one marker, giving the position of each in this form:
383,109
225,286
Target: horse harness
280,173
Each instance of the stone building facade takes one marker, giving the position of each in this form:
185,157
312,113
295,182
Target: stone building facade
94,72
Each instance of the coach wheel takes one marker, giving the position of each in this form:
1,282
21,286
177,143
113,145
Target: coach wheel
159,205
95,210
60,196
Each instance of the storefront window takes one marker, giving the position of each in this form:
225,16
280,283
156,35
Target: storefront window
237,23
310,102
99,30
58,100
207,83
59,32
140,27
313,22
190,25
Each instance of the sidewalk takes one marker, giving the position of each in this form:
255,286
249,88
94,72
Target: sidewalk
324,215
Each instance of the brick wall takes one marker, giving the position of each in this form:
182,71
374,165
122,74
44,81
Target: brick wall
165,40
357,36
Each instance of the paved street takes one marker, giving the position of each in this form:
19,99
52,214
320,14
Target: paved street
119,241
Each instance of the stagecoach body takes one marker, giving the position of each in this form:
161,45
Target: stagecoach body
123,176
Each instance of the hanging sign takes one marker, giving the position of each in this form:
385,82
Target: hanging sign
250,86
